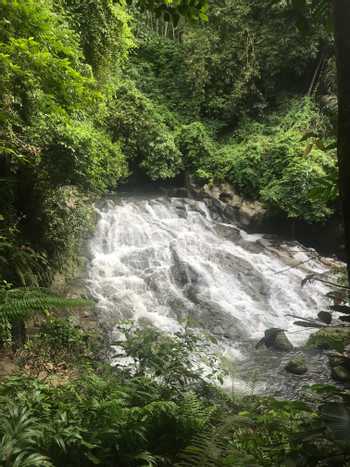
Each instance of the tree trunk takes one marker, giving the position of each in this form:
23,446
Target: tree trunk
18,331
342,45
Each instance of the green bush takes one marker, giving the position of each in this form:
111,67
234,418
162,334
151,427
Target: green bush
198,148
59,345
79,154
231,66
49,108
42,74
117,417
283,161
180,362
104,32
148,139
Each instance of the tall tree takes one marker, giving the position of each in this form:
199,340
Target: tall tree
341,11
190,9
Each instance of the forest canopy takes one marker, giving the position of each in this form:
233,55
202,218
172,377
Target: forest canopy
94,92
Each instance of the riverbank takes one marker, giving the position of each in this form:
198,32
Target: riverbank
87,413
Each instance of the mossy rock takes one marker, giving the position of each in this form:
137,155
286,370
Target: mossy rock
297,365
340,373
276,339
330,338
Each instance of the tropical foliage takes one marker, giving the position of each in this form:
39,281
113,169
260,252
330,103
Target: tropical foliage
132,416
92,93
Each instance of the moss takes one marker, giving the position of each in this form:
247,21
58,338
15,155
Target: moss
330,338
296,365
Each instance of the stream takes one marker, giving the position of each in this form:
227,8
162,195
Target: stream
174,262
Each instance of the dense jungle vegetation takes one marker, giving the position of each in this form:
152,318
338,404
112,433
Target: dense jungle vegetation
97,94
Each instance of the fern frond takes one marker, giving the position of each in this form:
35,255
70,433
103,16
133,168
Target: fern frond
202,452
195,411
208,447
20,304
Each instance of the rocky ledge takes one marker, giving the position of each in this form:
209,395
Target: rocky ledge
223,198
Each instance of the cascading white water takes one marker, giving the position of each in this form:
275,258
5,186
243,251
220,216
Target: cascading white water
165,260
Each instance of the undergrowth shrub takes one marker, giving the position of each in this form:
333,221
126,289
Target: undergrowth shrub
51,119
104,31
198,149
182,361
288,162
151,412
82,155
67,218
59,348
19,305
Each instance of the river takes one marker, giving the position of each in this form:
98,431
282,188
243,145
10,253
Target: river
172,262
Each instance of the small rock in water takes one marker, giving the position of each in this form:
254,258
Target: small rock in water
296,365
276,339
325,317
347,351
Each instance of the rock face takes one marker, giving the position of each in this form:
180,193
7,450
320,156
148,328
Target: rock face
297,365
340,365
276,339
250,214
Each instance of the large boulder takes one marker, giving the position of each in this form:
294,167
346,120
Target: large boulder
340,373
330,338
276,339
340,365
250,214
297,365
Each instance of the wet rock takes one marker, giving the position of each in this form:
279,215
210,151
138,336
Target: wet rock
231,213
276,339
297,365
340,365
252,214
182,272
340,373
330,338
212,317
252,281
325,317
236,208
179,192
225,197
229,232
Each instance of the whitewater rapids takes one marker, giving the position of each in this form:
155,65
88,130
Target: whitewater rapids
172,262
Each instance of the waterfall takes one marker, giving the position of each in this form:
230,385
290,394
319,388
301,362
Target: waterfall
171,262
